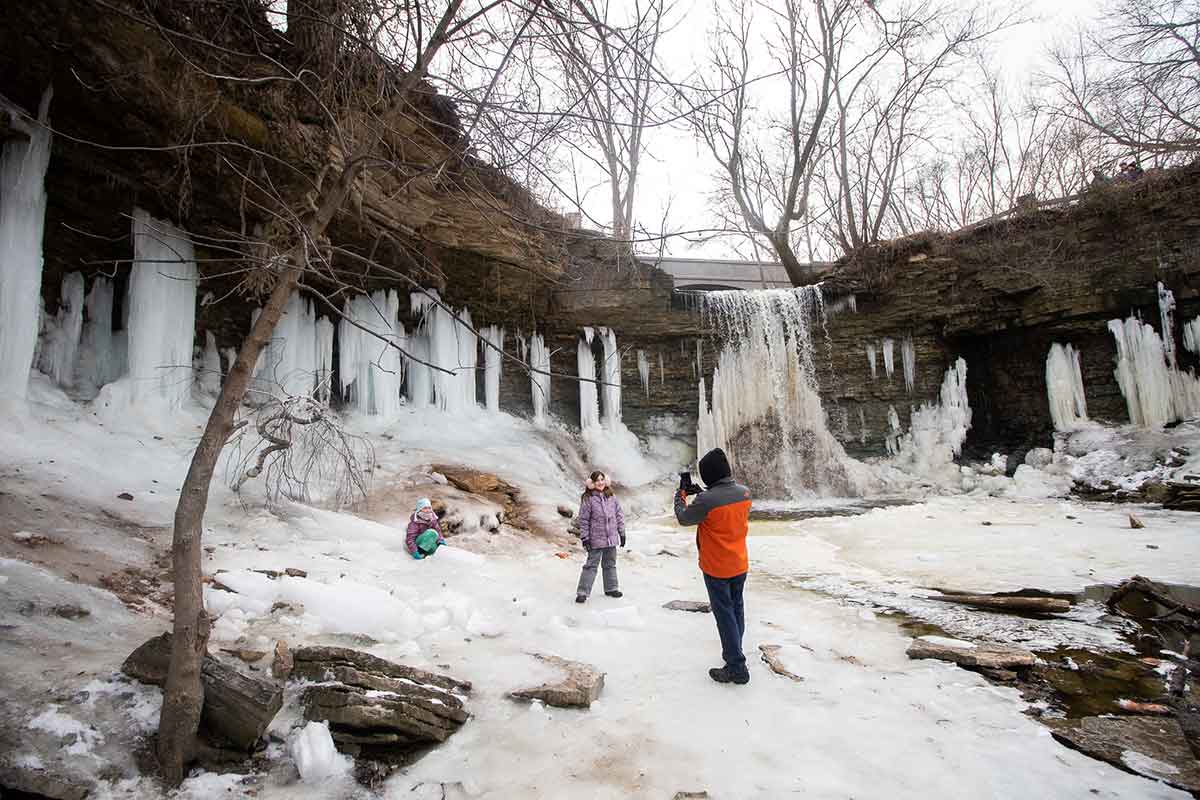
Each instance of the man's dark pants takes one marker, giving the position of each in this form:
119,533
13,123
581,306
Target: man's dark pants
725,597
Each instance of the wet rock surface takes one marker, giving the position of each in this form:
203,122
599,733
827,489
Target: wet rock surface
972,655
695,606
1153,747
579,688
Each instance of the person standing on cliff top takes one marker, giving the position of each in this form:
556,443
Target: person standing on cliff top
723,513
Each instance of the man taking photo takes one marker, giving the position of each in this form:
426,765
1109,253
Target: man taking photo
723,513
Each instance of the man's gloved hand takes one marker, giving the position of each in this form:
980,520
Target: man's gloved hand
586,549
417,556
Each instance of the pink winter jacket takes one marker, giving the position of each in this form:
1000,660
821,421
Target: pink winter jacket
601,522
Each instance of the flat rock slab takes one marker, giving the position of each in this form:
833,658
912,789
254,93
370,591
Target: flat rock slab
968,654
578,689
689,605
378,705
1154,748
770,655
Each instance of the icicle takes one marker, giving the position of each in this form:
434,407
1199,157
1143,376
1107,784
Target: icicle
765,394
889,364
1166,312
448,340
611,390
162,311
644,371
585,364
324,356
289,362
862,426
100,359
492,365
700,356
1191,336
57,354
893,438
871,359
22,220
210,367
909,358
1154,393
539,378
370,368
1064,388
662,372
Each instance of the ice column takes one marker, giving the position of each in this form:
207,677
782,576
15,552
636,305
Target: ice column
369,367
1064,388
585,365
210,367
662,372
101,359
612,377
1155,393
1166,312
871,359
61,346
644,371
162,311
539,377
324,337
453,347
764,408
889,362
908,357
289,363
1191,336
22,219
494,336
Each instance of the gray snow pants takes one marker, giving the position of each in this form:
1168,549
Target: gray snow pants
601,555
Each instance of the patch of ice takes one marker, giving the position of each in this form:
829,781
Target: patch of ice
1146,765
315,755
55,723
944,641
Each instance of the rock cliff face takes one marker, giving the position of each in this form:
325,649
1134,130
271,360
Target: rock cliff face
999,295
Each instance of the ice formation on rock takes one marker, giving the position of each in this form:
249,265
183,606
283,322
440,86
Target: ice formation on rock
1191,336
611,374
585,365
662,372
324,375
102,352
1064,388
492,335
162,312
908,357
862,426
871,361
539,377
938,430
209,377
451,344
764,408
1155,393
369,367
60,343
288,365
889,361
644,371
699,356
1166,314
894,432
22,219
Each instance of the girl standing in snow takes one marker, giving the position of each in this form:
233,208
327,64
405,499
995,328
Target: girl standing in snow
424,534
601,529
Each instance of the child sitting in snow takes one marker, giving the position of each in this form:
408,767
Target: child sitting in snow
601,529
424,535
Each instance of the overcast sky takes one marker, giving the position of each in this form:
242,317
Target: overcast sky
679,175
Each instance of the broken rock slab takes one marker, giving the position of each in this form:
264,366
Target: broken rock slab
770,655
970,654
237,707
377,707
695,606
578,689
1153,747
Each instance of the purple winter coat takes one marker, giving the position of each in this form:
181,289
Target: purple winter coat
415,528
601,523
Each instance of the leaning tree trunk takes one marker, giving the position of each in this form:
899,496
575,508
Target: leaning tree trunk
183,695
796,272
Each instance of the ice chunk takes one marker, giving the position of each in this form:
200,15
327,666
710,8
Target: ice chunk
316,757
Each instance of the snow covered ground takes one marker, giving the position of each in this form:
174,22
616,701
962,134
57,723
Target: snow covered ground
866,721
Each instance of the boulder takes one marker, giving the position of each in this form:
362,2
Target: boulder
1153,747
971,655
695,606
579,688
237,707
377,707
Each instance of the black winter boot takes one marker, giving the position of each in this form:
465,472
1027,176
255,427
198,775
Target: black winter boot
725,675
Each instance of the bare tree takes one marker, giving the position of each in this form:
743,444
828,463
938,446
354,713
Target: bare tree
1135,77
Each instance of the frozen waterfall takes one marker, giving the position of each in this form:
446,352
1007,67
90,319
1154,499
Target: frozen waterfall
937,430
1155,393
60,346
369,367
448,341
585,367
1064,388
162,312
764,409
493,337
1191,336
22,219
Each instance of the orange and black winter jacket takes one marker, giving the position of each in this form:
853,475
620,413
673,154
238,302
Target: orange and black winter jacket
723,514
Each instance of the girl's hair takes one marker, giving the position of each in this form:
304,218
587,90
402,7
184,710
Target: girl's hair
608,492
